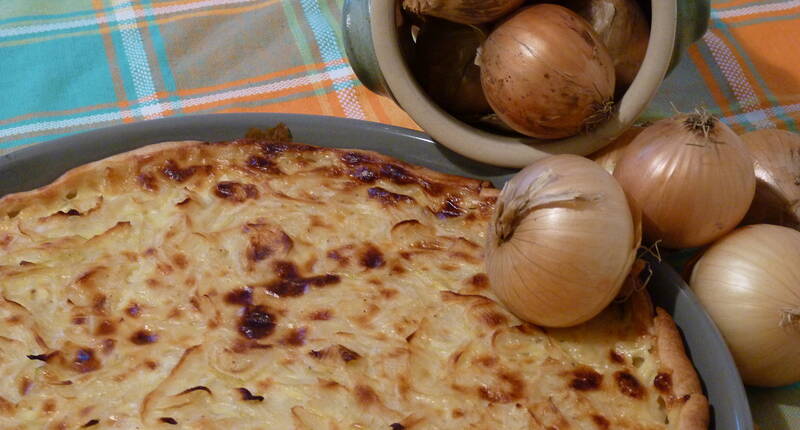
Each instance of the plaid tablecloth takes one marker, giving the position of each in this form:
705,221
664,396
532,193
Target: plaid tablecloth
72,65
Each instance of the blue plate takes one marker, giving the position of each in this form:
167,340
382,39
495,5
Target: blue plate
41,164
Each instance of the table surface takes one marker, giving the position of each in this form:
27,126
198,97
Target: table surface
75,65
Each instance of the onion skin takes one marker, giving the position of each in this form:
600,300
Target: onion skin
776,160
608,157
445,66
562,257
749,282
623,28
546,73
692,188
463,11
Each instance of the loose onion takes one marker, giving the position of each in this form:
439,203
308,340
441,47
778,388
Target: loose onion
547,74
776,159
691,176
445,66
623,28
561,242
463,11
749,282
608,157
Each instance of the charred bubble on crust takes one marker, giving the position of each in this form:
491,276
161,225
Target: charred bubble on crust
585,378
172,171
240,296
616,357
108,346
144,337
348,354
366,395
515,389
90,423
248,396
387,197
663,383
295,337
147,181
368,170
344,353
262,164
42,357
601,422
195,388
372,258
295,287
480,281
85,361
106,327
397,426
629,385
494,319
133,310
450,208
168,420
236,191
321,315
285,270
184,202
71,212
258,252
256,323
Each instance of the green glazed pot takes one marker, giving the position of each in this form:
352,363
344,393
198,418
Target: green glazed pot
374,50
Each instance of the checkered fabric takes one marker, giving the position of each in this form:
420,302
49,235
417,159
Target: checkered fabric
72,65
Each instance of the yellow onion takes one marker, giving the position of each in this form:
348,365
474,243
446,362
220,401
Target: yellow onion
445,66
749,282
692,178
624,30
776,159
546,73
608,157
561,242
463,11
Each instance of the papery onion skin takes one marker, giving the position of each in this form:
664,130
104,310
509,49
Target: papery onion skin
749,282
562,259
546,73
624,30
608,157
445,66
463,11
776,159
691,176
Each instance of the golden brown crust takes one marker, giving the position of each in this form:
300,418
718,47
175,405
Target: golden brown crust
685,382
694,413
169,150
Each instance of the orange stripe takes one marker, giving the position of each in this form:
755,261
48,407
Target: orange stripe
254,97
257,79
713,86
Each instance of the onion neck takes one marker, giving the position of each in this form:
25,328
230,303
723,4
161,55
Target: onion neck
790,318
701,123
515,204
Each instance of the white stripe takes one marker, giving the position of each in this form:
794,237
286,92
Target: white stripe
736,80
754,10
138,63
106,19
342,73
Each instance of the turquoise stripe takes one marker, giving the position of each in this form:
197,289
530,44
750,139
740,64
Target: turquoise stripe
161,56
719,78
38,18
299,36
324,35
780,112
